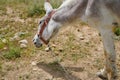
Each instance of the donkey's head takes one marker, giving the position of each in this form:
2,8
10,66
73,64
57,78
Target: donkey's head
47,27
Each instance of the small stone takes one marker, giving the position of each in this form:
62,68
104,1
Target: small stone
16,38
4,41
54,45
61,50
23,45
82,38
23,41
20,34
35,69
47,49
50,78
5,48
34,63
1,36
11,39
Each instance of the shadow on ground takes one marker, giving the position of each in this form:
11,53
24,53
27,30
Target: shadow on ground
57,71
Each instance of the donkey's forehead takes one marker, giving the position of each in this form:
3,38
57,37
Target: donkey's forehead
43,18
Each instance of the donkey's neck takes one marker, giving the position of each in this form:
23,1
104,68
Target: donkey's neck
70,10
67,3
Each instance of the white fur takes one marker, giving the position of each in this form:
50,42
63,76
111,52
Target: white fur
47,7
103,23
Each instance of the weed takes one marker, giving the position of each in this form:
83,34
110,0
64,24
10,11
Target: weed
2,73
2,2
2,10
0,66
71,38
99,64
2,45
75,57
83,23
12,53
117,31
35,10
24,77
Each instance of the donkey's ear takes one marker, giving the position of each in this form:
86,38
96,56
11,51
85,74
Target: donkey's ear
47,6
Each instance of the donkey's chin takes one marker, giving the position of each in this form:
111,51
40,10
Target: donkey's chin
38,46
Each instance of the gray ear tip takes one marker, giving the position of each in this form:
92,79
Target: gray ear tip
48,7
47,0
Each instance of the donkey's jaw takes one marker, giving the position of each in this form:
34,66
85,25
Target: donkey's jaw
36,41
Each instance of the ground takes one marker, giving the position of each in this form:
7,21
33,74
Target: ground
78,48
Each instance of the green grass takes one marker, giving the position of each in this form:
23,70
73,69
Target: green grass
29,8
12,53
38,9
35,10
117,31
0,66
2,45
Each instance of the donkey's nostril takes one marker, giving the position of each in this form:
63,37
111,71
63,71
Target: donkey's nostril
35,43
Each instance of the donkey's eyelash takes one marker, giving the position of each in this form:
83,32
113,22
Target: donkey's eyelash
40,22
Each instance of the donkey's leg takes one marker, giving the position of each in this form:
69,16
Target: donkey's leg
103,74
110,55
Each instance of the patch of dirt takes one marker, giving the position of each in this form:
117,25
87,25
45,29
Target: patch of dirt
79,49
45,67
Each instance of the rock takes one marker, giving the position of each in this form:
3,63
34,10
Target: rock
82,38
53,45
16,37
1,36
20,34
24,41
11,39
23,45
47,49
61,49
116,37
33,63
5,48
35,68
4,41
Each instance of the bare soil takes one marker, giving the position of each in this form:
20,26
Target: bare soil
43,66
79,49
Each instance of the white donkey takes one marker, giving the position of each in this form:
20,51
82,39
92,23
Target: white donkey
104,15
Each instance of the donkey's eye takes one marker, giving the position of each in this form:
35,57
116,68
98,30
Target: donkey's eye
40,22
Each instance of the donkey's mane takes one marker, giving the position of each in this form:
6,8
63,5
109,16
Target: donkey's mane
68,3
73,9
70,10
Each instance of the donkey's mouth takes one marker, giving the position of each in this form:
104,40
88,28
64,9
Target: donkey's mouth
38,46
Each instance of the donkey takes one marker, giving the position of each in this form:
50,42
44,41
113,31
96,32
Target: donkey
104,15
